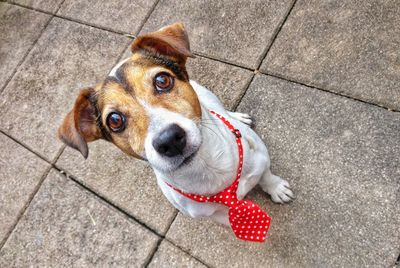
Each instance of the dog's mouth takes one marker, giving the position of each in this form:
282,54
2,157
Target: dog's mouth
188,159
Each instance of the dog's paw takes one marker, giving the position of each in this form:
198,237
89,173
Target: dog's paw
244,118
280,192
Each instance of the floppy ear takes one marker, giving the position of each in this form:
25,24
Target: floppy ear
80,125
171,41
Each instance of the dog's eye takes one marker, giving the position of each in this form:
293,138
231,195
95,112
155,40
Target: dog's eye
116,121
163,82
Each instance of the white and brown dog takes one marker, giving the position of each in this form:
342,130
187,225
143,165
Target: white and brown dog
148,107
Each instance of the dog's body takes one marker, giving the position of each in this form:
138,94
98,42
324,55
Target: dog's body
149,109
214,167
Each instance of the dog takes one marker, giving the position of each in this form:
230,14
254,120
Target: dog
148,107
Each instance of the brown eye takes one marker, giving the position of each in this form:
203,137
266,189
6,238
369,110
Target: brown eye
116,121
163,82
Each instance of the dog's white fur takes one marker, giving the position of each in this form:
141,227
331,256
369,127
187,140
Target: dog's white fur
214,166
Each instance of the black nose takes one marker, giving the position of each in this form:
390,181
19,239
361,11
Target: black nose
171,141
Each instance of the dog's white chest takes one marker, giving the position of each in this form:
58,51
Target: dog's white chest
217,163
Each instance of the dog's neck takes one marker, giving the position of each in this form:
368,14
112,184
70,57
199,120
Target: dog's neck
213,168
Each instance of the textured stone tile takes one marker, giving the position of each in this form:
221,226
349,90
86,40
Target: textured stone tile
228,82
20,173
19,27
340,157
67,57
126,182
46,5
118,15
67,226
350,47
168,255
229,30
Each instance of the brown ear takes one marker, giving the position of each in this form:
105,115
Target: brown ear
80,125
171,41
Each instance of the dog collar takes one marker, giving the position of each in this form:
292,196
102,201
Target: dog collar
248,221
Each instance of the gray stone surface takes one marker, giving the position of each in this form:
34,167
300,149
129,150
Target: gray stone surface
45,5
69,227
350,47
128,183
20,28
20,174
234,31
341,158
118,15
168,255
228,82
67,57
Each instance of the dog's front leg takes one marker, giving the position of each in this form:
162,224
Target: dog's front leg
277,187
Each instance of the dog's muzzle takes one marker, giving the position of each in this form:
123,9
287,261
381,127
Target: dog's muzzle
171,141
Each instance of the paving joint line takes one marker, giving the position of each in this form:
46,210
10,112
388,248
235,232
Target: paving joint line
27,52
330,91
185,251
397,262
215,58
265,53
140,28
106,201
26,146
154,251
68,18
21,213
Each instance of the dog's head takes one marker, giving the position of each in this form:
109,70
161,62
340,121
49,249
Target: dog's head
146,106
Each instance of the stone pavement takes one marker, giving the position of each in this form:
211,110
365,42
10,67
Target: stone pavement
321,78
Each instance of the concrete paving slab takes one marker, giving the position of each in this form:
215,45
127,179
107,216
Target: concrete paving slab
340,157
118,15
20,28
20,174
347,47
128,183
168,255
67,57
67,226
228,82
233,31
45,5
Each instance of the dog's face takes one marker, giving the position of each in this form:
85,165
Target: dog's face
146,106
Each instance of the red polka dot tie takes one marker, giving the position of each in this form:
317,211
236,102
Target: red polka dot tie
248,221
